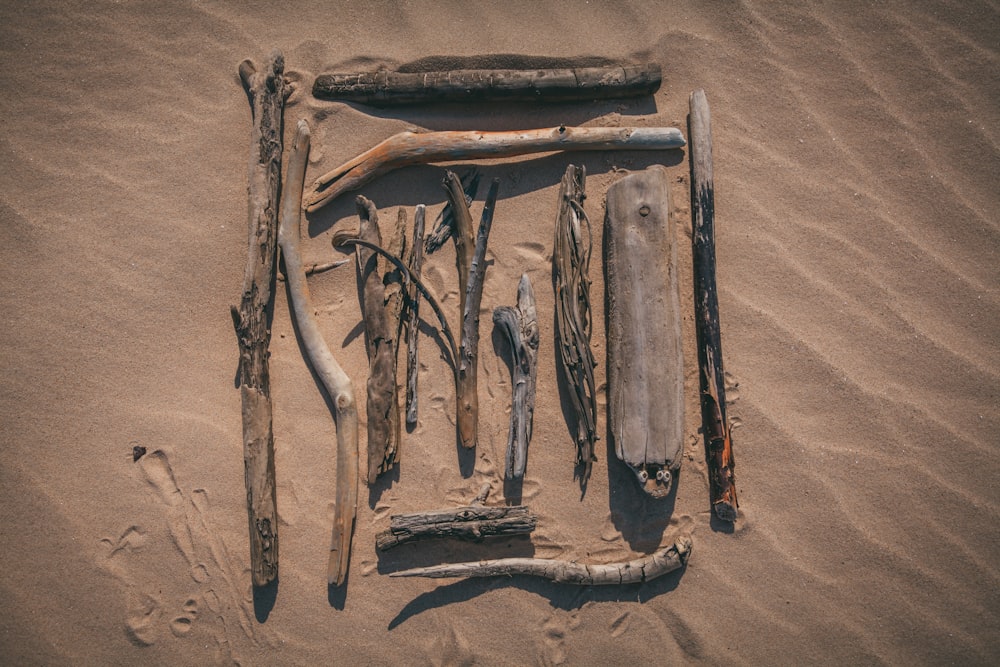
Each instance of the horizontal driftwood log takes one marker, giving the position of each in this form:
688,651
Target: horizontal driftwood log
336,382
266,91
472,523
408,148
635,571
645,360
715,424
580,84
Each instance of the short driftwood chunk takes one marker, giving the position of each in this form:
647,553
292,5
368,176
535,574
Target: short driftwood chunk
571,279
581,84
715,424
520,326
645,360
635,571
266,91
472,523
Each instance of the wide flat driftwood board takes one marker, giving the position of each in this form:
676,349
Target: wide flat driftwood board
645,359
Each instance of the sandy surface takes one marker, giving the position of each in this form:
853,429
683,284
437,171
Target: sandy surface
857,157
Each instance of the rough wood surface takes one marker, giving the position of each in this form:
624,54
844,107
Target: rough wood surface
381,337
571,280
520,326
408,148
413,316
472,523
635,571
444,225
580,84
336,382
645,360
266,92
716,427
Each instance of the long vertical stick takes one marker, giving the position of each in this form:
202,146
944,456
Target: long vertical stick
718,442
266,92
413,321
335,380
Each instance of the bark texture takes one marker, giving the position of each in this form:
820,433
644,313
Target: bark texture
472,523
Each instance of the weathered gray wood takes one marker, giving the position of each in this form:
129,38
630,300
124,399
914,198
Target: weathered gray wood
520,326
472,523
645,360
413,316
381,338
635,571
581,84
266,91
407,148
336,382
571,280
444,224
715,424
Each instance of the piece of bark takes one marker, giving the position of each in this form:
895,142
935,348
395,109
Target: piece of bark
471,523
635,571
336,382
715,425
520,325
471,264
408,148
579,84
645,359
571,279
413,316
381,338
266,92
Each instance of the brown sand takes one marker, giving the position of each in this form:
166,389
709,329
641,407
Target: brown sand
857,162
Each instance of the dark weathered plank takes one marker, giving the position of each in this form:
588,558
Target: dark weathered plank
716,428
472,523
645,359
266,91
582,84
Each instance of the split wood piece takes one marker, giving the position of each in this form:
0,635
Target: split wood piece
635,571
579,84
266,92
520,325
335,380
381,338
444,225
645,359
470,258
715,425
571,278
413,316
408,148
471,523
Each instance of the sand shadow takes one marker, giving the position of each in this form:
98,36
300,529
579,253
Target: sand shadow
264,598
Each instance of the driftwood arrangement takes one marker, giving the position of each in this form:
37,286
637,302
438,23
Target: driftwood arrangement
715,425
520,326
581,84
645,360
266,91
645,388
471,523
571,279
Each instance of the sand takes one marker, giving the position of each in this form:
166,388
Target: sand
857,157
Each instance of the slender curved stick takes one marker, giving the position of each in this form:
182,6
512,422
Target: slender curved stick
407,148
335,380
564,571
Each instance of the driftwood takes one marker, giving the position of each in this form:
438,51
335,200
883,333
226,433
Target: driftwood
580,84
571,279
635,571
715,425
335,380
408,148
471,523
444,225
520,325
381,338
266,92
413,316
645,360
470,258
